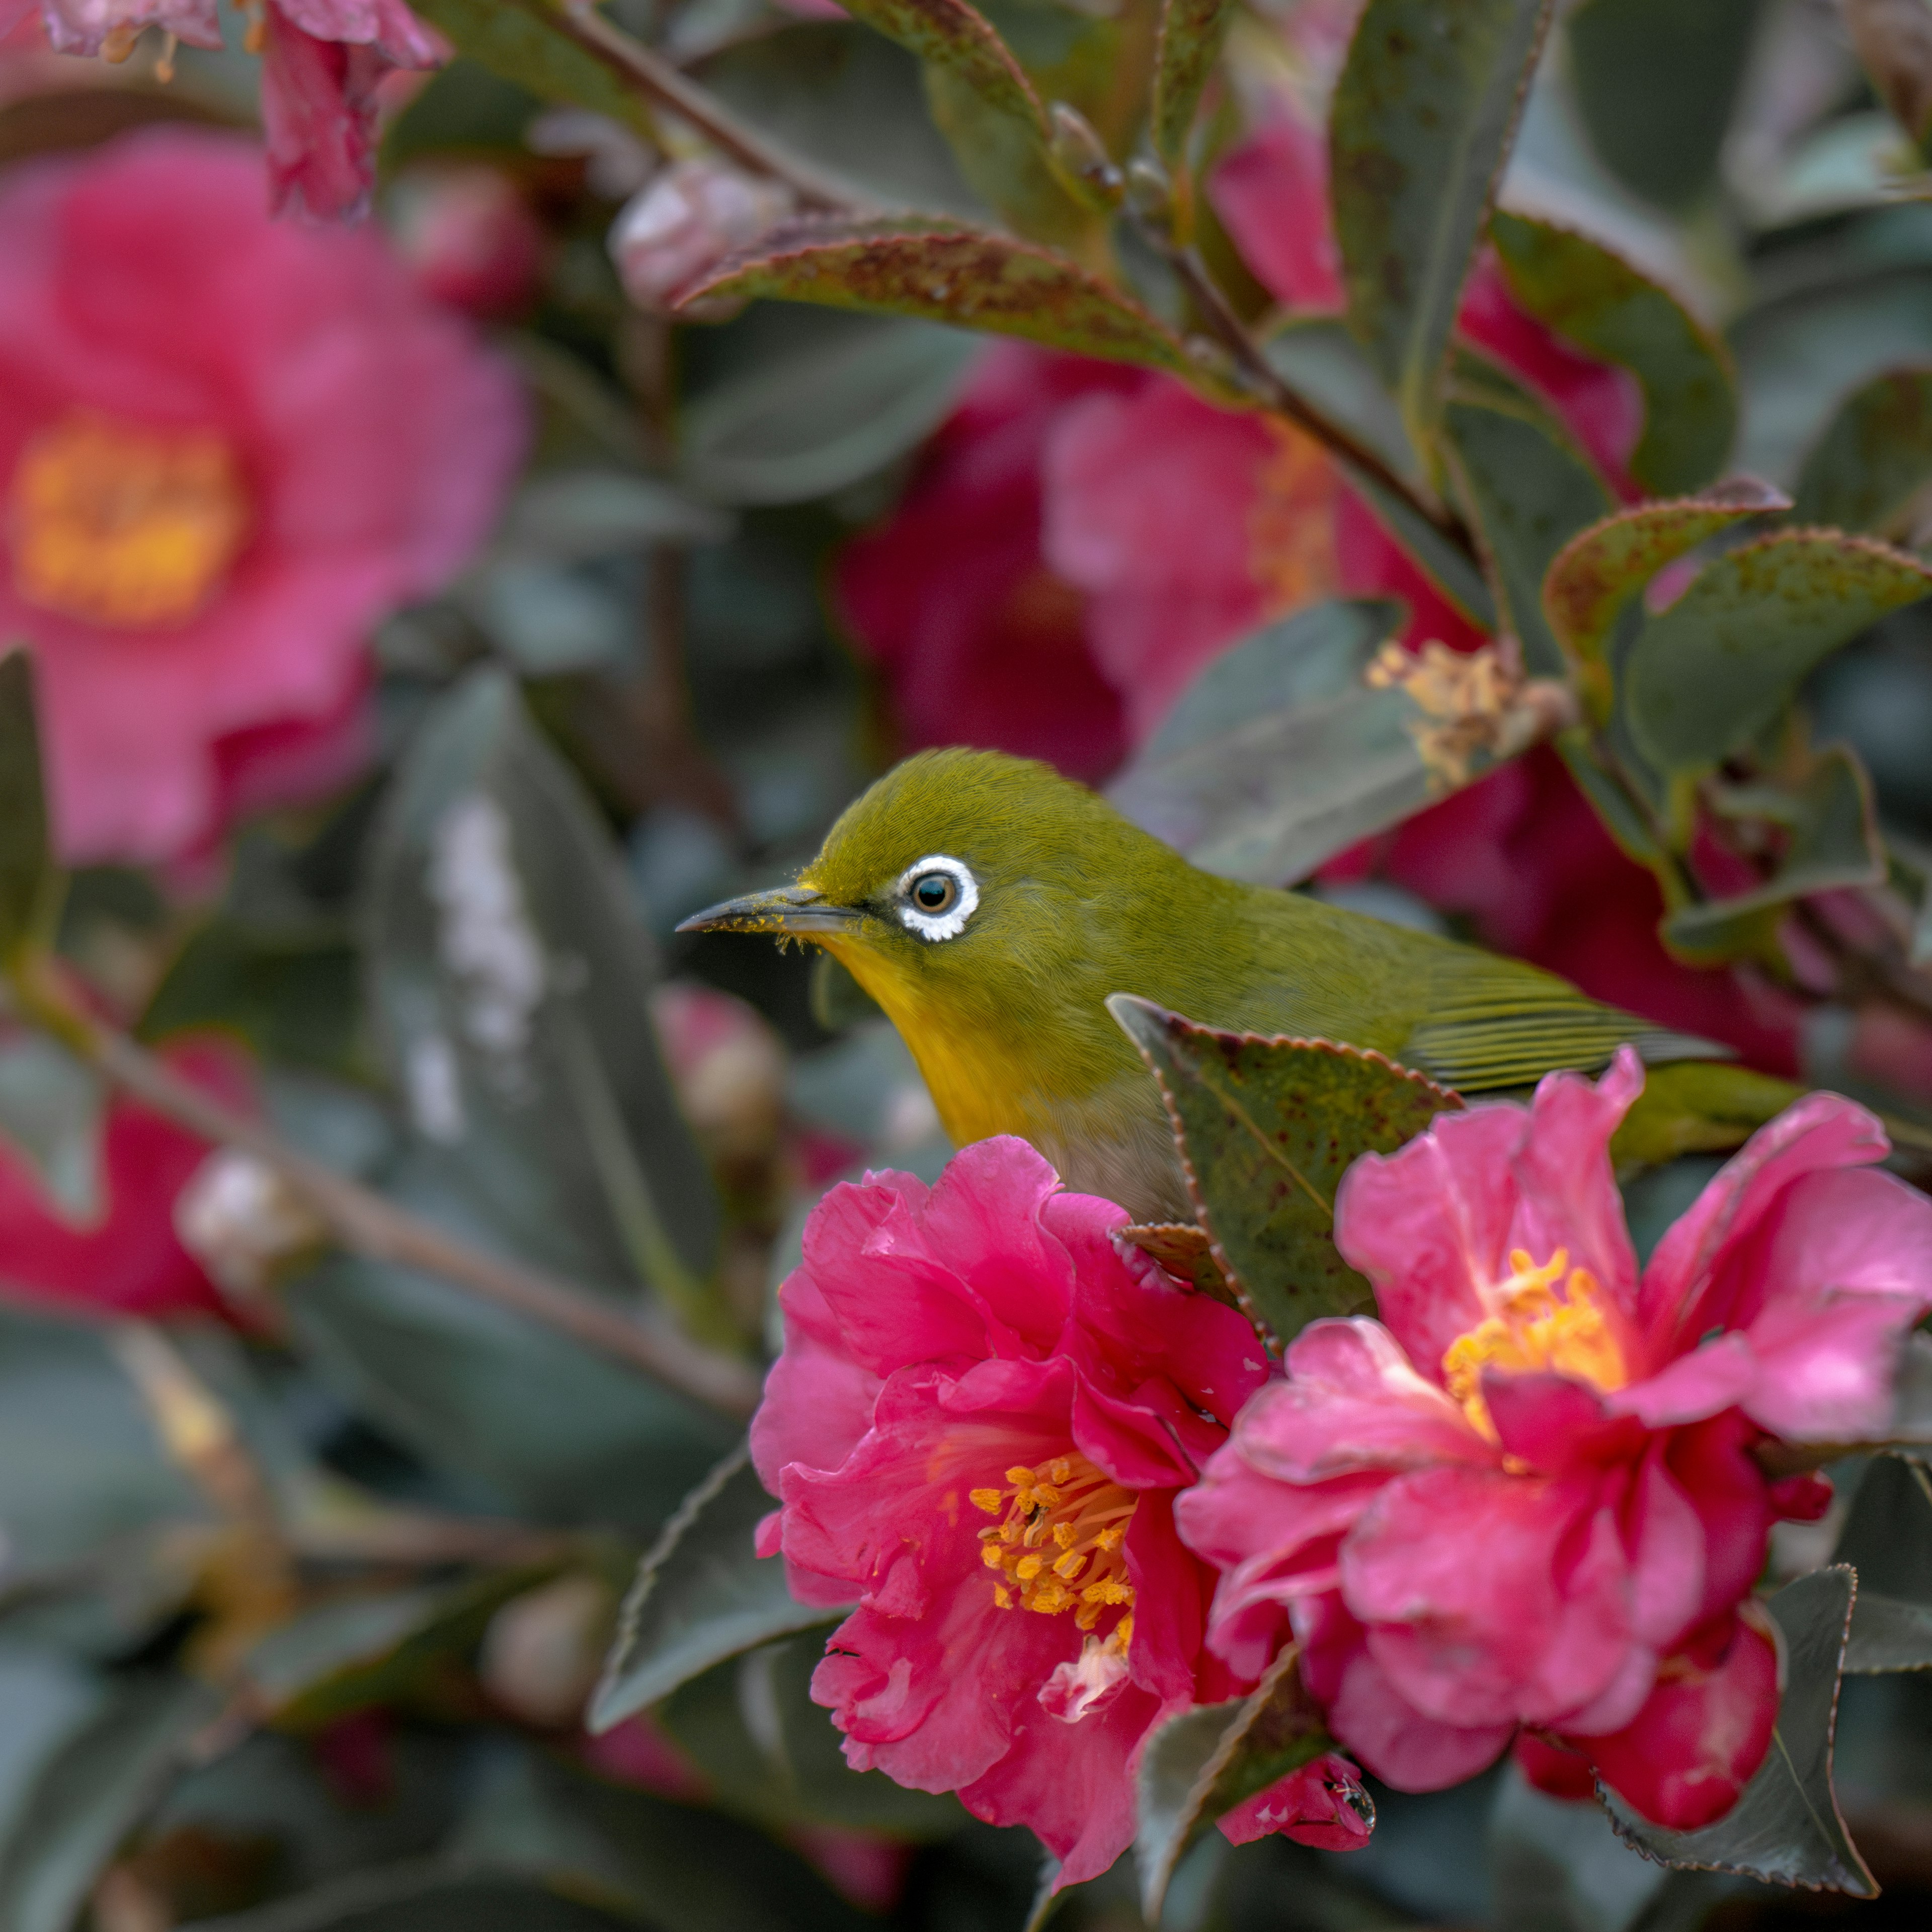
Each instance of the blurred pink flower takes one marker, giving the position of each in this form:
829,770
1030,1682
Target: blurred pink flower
470,236
1527,1395
322,62
980,1355
128,1259
228,447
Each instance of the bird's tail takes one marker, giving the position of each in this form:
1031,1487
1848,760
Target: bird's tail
1706,1106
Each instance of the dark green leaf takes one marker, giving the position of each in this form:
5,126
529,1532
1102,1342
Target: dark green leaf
1529,490
969,277
424,1895
1009,172
1595,299
493,1398
1444,562
1705,676
839,95
957,38
1831,840
1600,571
1866,471
1558,1866
702,1594
1267,1128
28,879
1424,116
1787,1827
51,1105
90,1794
1318,358
1201,1765
1888,1540
572,516
1269,799
511,971
1656,80
800,426
1190,43
771,1755
516,42
672,1866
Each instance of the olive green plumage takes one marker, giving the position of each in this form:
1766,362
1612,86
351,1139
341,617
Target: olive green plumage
1007,1016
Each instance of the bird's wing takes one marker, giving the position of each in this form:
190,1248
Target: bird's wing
1494,1023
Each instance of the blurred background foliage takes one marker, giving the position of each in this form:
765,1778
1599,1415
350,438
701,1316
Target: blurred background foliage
312,1557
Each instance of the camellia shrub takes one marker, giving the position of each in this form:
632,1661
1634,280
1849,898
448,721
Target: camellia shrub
514,1416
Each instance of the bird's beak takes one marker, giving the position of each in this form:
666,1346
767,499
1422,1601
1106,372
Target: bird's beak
797,909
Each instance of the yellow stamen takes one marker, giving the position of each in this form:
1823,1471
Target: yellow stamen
1068,1506
120,525
1534,1329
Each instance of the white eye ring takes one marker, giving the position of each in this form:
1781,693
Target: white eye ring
949,923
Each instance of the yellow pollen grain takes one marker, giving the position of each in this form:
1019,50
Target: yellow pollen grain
1536,1330
993,1502
124,526
1062,1524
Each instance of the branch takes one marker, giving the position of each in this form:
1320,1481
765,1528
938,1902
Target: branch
366,1224
660,83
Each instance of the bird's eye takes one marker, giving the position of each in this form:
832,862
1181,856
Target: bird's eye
936,896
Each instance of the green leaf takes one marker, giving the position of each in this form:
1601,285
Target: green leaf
91,1793
1269,798
1424,116
51,1105
1655,80
1888,1540
1866,472
1183,1248
1704,677
1189,44
1267,1128
353,1652
1321,361
702,1594
28,882
969,277
1596,299
960,40
425,1895
1598,573
1831,840
578,514
800,425
1529,490
771,1755
838,94
1199,1765
510,971
518,44
1787,1827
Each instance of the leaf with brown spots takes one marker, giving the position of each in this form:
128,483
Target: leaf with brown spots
948,271
1183,1248
1267,1128
1600,569
1191,34
951,34
1868,471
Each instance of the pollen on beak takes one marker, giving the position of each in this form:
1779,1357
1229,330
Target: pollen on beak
785,909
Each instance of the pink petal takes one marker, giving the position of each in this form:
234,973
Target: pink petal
1550,1421
1395,1741
1695,1744
1715,1375
1322,1804
1352,1402
1711,1463
817,1400
1826,1364
1682,1291
1170,1589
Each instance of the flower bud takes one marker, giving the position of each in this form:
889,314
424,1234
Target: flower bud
1150,197
1894,40
728,1067
243,1222
681,226
1081,159
543,1650
468,236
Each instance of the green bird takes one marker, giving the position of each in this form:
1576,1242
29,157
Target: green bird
990,906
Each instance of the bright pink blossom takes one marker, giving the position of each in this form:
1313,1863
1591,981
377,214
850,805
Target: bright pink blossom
977,1428
126,1259
228,447
1526,1497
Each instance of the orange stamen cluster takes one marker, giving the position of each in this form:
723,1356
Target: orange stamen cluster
1536,1327
1056,1547
118,524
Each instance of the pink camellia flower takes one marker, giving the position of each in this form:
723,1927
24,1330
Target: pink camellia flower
1526,1497
228,446
323,63
979,1424
127,1258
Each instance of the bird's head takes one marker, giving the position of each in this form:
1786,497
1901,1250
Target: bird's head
969,889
